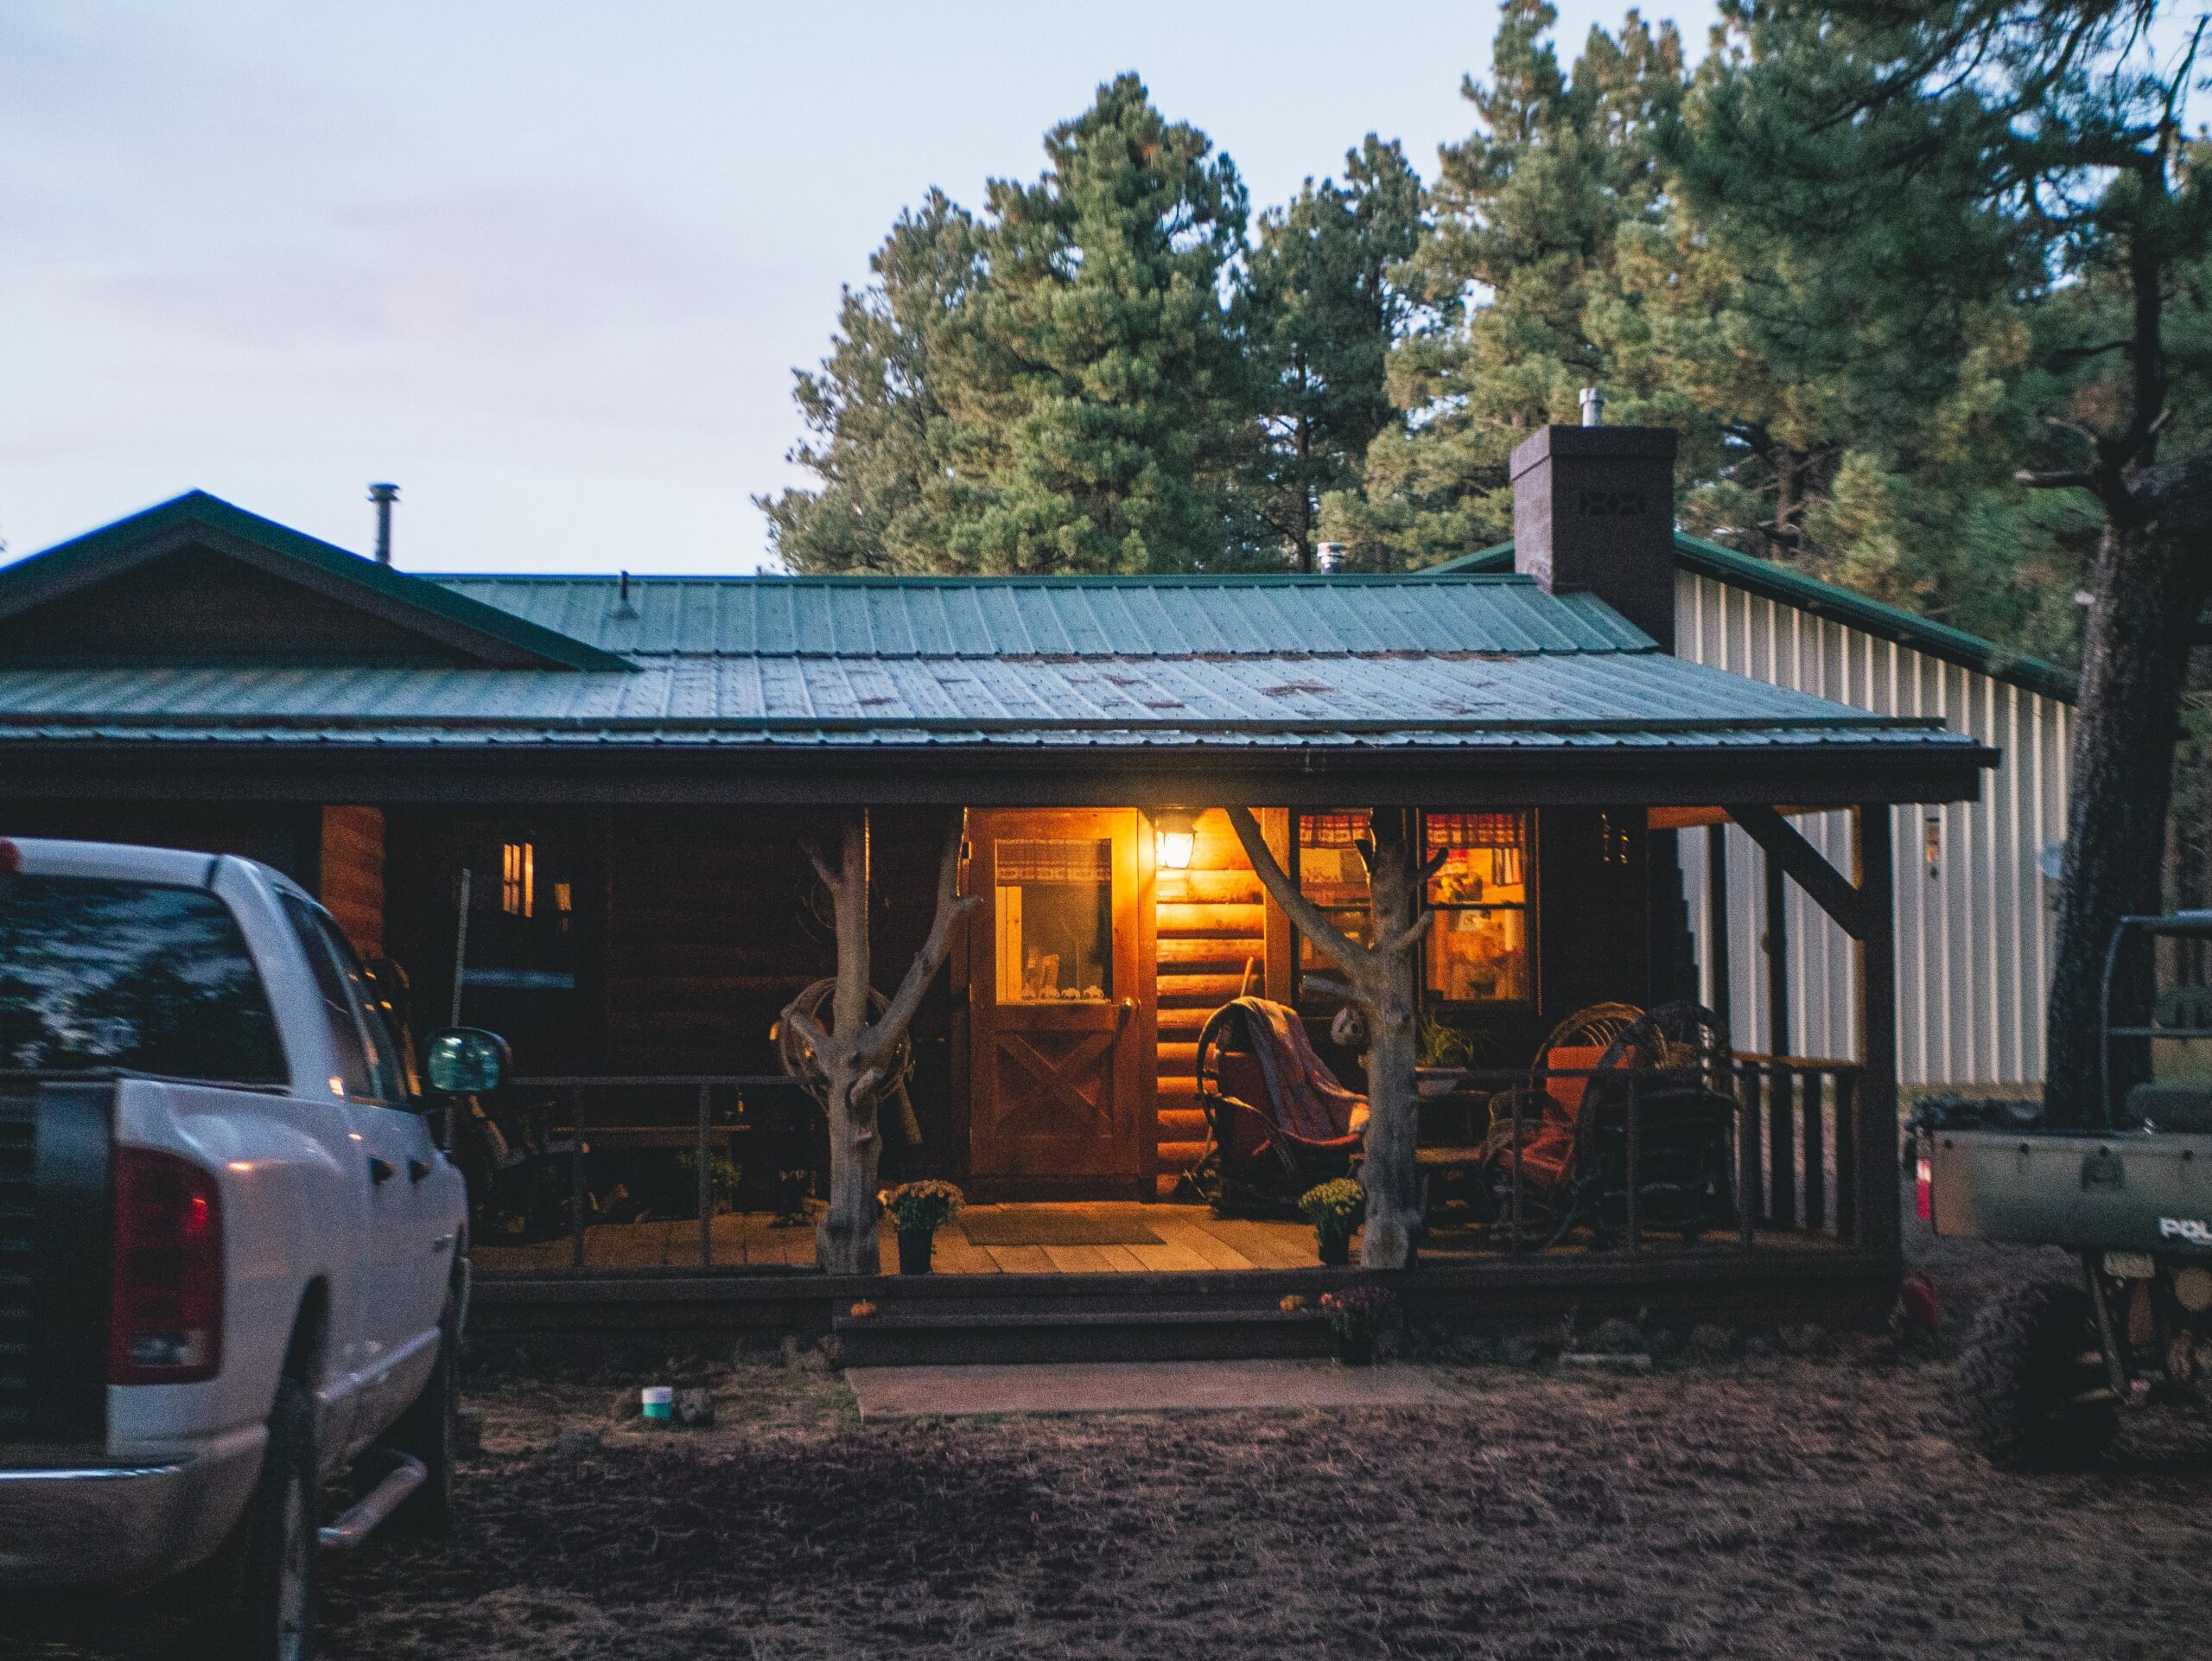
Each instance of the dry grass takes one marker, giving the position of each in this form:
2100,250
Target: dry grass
1785,1508
1774,1507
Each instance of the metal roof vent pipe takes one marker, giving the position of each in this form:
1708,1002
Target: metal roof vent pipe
383,496
1594,407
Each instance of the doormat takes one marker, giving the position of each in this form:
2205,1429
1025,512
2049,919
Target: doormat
1051,1228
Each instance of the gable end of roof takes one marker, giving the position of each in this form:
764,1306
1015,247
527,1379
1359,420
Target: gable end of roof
478,630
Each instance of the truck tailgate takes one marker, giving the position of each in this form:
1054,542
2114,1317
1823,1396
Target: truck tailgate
53,1264
2122,1191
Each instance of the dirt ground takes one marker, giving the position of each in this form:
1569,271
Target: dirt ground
1749,1505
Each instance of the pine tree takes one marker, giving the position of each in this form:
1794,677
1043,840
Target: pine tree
1100,381
1528,211
879,423
1324,315
2057,120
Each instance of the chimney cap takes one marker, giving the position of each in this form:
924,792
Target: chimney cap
383,493
1556,442
1594,406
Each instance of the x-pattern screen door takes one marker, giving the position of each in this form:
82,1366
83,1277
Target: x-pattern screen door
1057,1075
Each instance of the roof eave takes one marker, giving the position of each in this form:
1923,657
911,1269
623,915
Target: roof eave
1826,599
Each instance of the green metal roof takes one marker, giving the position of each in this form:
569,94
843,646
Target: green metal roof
1777,581
1309,666
1239,616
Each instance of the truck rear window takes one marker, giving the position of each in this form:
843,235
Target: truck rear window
98,973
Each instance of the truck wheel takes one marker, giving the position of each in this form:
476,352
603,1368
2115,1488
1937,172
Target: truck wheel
259,1590
2029,1363
426,1430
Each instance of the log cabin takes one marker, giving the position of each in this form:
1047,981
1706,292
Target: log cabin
574,810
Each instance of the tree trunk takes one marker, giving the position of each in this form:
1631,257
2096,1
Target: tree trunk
1383,980
1385,987
2148,589
855,1057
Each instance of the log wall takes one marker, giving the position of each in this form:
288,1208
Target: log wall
351,881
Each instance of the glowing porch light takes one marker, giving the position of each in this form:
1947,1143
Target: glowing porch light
1178,835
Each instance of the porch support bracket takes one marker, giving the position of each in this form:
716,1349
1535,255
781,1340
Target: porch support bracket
1832,891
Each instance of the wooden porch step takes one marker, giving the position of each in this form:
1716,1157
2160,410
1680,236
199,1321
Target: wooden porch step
905,1338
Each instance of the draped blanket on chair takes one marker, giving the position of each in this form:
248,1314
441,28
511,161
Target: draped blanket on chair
1303,1095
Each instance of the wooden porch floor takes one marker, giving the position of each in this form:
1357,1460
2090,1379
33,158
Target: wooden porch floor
1191,1238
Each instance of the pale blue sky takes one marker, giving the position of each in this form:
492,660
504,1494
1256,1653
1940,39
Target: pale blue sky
548,266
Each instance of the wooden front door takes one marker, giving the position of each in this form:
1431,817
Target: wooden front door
1060,979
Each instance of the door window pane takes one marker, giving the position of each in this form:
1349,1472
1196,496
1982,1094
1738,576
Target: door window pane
1055,909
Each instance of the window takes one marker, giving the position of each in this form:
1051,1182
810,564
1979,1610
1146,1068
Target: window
1478,948
1054,901
518,879
1331,874
369,1063
387,1067
348,1050
97,973
1477,951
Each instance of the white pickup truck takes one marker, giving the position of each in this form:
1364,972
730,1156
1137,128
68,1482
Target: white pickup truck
233,1264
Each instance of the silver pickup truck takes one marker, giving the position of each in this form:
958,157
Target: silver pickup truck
2048,1369
233,1264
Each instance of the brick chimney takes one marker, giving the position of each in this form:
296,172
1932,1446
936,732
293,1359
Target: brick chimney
1593,512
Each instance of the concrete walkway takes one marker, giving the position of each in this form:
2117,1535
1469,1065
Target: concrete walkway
1134,1387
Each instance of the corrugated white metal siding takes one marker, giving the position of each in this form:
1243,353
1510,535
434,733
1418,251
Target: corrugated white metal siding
1974,929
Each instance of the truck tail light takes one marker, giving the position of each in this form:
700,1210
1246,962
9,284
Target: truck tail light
165,1314
1923,1188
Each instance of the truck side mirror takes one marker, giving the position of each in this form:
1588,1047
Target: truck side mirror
465,1061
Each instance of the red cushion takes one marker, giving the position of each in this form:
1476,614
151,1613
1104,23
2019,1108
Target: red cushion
1571,1058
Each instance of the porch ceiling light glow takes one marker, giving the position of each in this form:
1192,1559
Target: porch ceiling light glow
1177,829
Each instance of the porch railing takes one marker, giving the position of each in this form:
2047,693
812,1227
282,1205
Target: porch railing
1787,1128
576,1120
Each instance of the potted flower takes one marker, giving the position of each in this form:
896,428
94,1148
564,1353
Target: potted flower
1335,1209
918,1209
1356,1315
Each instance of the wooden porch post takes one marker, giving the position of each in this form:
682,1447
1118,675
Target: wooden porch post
1880,1226
1716,922
1781,1094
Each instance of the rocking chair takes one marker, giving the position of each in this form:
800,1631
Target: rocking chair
1277,1121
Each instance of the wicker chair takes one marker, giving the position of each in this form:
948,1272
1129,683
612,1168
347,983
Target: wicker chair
1575,1167
1577,1045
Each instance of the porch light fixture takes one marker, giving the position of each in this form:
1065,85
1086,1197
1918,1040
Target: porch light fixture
1178,834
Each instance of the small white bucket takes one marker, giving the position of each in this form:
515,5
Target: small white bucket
657,1402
